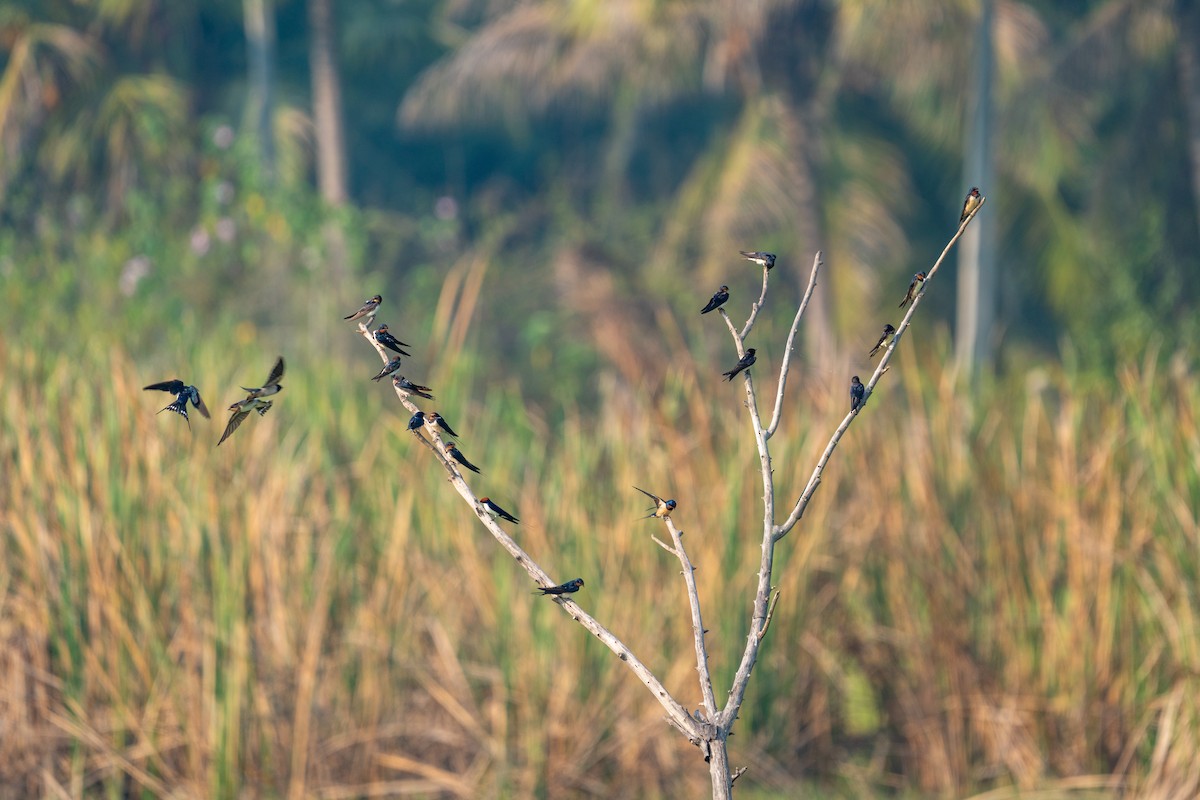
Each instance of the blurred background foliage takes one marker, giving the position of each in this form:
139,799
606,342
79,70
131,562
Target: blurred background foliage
546,193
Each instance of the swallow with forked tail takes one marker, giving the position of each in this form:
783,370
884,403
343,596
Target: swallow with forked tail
368,310
388,368
254,400
913,287
764,260
436,420
744,362
405,385
972,202
453,451
570,587
857,393
183,393
719,298
888,330
385,338
496,511
662,508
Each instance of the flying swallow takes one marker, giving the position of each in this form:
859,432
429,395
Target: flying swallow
183,393
391,342
404,384
888,330
435,419
917,280
416,421
662,508
272,386
388,368
497,511
857,391
970,204
456,454
368,310
254,401
241,410
570,587
718,300
743,363
766,260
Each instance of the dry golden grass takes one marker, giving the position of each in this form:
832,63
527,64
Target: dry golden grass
982,594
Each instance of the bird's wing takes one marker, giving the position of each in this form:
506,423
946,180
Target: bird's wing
198,401
653,497
276,373
174,387
234,422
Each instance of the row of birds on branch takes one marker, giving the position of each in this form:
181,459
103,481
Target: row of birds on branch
767,262
433,422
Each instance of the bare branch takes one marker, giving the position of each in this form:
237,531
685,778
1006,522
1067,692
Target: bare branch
791,340
689,578
815,480
726,716
676,713
664,545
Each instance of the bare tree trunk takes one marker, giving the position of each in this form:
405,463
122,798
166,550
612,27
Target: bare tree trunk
718,769
977,259
260,56
1189,89
327,103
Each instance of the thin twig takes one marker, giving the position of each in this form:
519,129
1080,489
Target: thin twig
664,545
676,713
815,481
689,579
770,613
791,339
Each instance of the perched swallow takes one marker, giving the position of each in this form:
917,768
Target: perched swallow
404,384
416,421
970,204
457,455
497,511
183,393
388,368
766,260
857,391
662,508
435,419
368,310
743,363
254,401
272,386
917,280
888,330
718,300
570,587
390,342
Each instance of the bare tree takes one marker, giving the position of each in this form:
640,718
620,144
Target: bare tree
708,727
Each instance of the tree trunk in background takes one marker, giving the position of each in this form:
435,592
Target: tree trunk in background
327,119
977,253
260,58
1189,88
